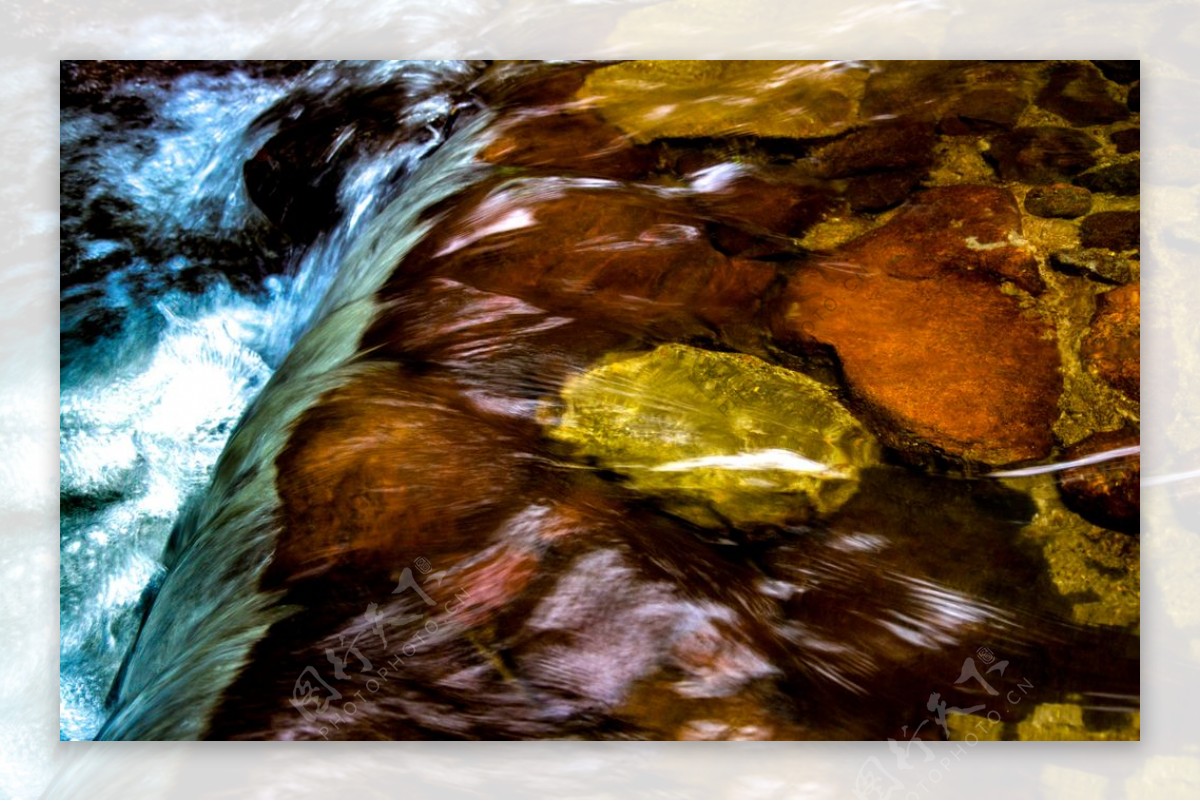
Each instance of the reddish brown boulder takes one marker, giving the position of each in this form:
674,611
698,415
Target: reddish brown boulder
1105,492
575,141
953,229
1078,92
1041,155
983,110
890,145
621,258
1111,350
925,338
386,469
1115,230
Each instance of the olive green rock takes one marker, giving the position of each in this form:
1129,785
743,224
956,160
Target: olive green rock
719,438
656,99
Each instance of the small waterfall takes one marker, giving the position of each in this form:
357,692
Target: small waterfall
179,303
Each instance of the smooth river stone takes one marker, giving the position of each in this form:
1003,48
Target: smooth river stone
388,468
1106,493
570,141
687,99
926,339
719,438
1111,349
622,258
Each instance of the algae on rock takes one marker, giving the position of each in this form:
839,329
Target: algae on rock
719,438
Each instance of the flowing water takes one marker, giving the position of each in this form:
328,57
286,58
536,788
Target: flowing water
606,453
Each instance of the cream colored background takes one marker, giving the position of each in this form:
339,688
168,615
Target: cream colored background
34,34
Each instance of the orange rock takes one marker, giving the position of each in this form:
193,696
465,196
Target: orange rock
952,228
925,338
1112,349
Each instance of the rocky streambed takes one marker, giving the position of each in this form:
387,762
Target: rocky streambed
678,400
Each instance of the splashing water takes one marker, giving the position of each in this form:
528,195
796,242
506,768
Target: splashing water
167,337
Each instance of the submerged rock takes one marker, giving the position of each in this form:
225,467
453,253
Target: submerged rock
1041,155
890,145
1106,493
1128,140
1111,350
1115,230
721,438
668,99
577,141
982,111
1078,92
925,337
1095,263
1123,179
623,258
1058,200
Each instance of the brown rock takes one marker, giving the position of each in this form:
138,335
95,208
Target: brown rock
1078,92
1115,230
881,190
890,145
622,258
577,141
385,469
761,203
1041,155
1096,263
1128,140
1123,179
981,111
953,228
925,338
1112,348
1058,200
1106,493
1134,101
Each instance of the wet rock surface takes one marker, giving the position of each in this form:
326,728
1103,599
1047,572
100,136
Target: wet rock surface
788,99
702,399
579,141
1107,492
915,318
1078,92
1114,230
1058,200
1111,348
723,438
983,111
1043,154
1096,263
1123,179
1128,140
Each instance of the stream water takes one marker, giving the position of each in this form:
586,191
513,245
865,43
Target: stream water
229,236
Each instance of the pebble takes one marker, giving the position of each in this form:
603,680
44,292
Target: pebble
1058,200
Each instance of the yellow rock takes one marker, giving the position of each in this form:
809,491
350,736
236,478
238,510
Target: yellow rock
1065,722
655,99
719,438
